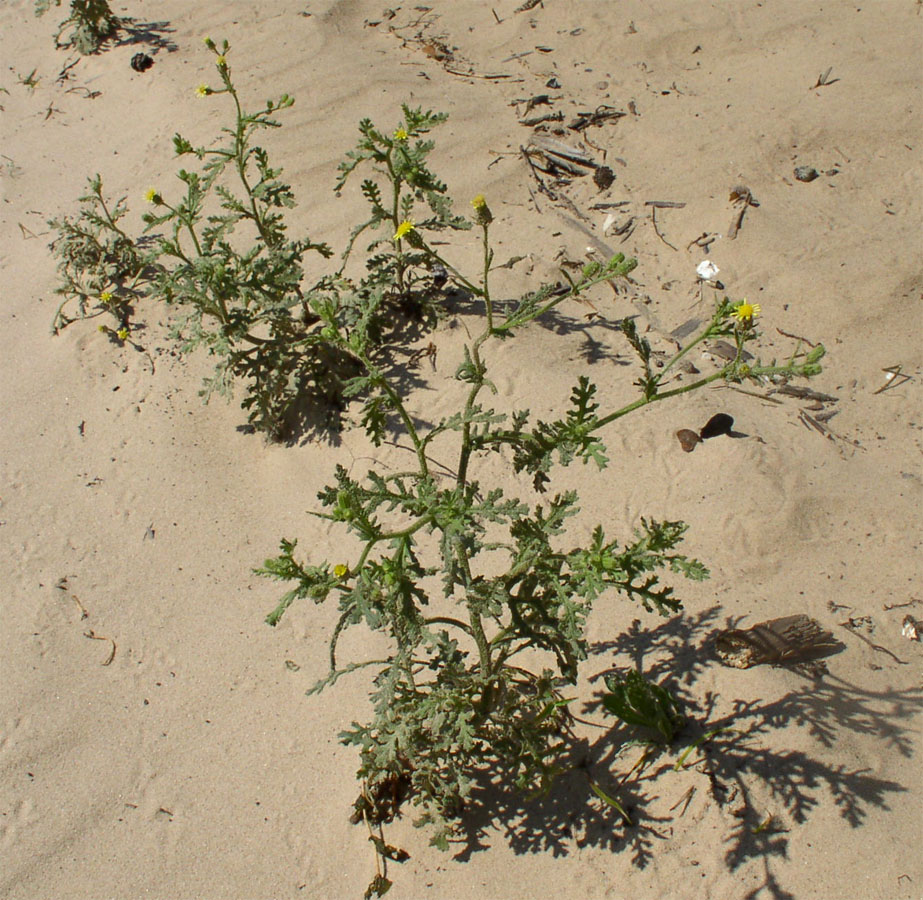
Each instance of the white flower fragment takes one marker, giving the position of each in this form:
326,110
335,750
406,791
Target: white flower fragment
608,223
706,270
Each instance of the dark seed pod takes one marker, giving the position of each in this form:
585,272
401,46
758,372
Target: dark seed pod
687,439
141,62
720,423
603,177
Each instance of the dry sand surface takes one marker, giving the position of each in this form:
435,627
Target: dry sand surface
192,765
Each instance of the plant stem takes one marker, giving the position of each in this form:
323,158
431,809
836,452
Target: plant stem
755,371
240,159
466,443
398,405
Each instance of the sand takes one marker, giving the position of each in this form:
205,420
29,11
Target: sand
191,763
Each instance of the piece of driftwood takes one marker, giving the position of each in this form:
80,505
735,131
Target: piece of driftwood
791,639
557,150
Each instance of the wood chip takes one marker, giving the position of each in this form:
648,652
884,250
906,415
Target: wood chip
790,639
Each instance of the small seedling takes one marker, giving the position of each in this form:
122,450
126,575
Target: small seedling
643,704
30,81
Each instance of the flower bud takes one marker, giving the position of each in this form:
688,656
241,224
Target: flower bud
482,213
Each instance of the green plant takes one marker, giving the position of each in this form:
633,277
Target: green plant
30,81
90,23
98,262
221,257
643,704
482,604
463,580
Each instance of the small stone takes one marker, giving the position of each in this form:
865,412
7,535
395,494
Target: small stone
910,629
806,173
687,439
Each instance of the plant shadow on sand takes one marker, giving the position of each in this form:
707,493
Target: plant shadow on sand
150,34
729,768
321,413
417,318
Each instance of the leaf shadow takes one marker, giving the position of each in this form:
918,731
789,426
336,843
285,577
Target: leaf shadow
151,34
735,755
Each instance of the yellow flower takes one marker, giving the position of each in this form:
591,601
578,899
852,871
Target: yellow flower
401,135
105,297
208,42
746,312
221,62
203,90
482,213
404,228
122,333
340,570
153,196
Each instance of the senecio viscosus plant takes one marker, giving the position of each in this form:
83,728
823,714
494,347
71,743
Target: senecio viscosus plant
463,580
239,286
468,586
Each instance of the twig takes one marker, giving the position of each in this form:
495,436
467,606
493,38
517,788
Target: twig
654,208
878,647
742,196
704,240
893,373
62,75
755,394
97,637
796,337
810,421
824,79
538,178
803,393
600,114
546,117
913,601
477,75
687,797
